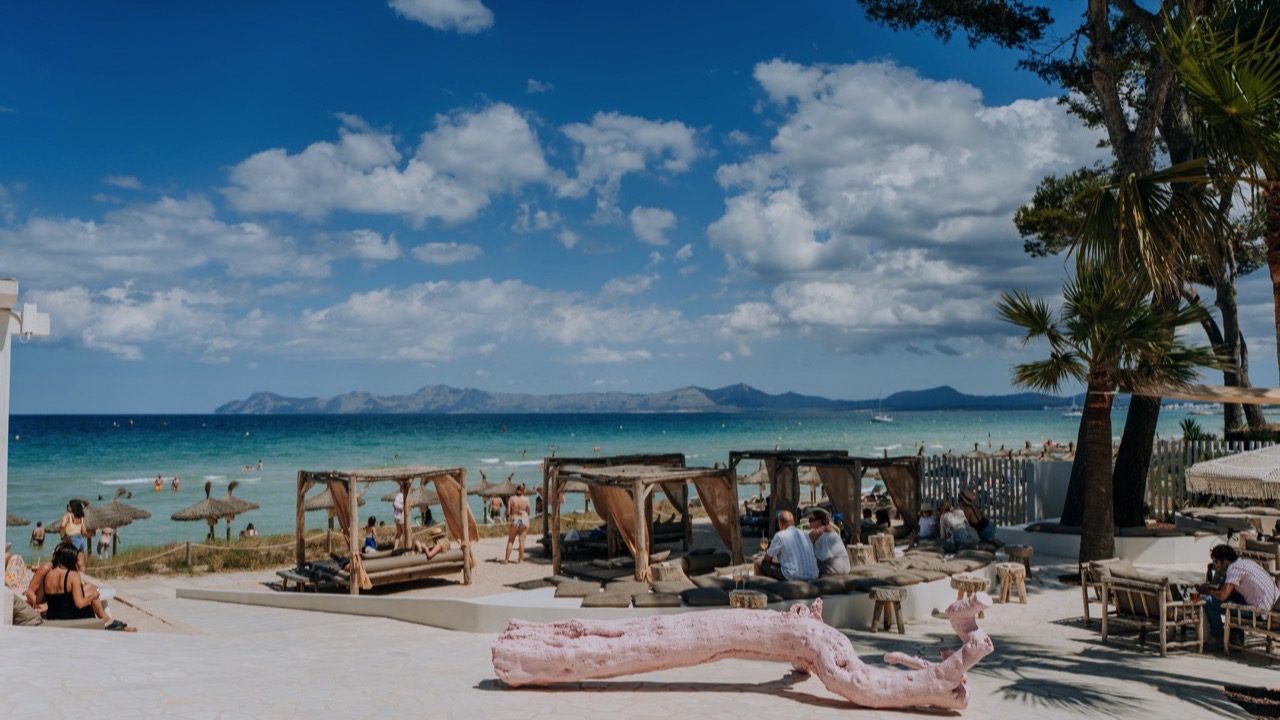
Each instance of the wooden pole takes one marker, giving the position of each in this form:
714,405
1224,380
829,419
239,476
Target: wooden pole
300,547
188,554
553,503
464,514
735,537
352,548
639,493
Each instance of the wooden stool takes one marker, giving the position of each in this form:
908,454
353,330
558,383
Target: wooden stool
966,585
1011,573
747,599
667,571
1020,553
882,546
888,601
860,555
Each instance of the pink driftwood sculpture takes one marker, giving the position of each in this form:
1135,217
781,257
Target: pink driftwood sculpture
529,653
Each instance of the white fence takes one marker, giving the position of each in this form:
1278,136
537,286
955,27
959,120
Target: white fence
1167,477
1003,485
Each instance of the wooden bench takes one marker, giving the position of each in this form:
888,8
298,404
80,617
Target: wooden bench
1147,604
1252,622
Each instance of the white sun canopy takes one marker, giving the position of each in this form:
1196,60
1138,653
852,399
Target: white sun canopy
1254,474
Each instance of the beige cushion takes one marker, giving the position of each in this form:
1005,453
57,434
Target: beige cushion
626,587
577,588
904,579
656,599
408,560
929,563
832,584
961,565
1262,510
1103,568
674,587
865,584
604,599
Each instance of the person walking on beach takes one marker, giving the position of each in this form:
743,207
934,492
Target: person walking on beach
159,483
790,554
518,516
495,509
104,541
397,511
73,530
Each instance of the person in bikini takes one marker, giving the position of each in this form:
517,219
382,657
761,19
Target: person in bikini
978,520
67,596
518,515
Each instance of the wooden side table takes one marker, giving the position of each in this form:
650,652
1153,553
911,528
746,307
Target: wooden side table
1011,574
882,546
888,601
747,599
1020,553
966,585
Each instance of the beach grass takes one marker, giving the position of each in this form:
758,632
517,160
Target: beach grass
268,552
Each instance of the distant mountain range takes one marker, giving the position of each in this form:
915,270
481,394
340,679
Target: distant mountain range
442,399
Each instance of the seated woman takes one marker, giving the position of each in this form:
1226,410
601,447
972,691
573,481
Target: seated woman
954,530
828,548
68,596
977,519
430,551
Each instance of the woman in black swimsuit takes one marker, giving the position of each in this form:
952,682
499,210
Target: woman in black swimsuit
68,596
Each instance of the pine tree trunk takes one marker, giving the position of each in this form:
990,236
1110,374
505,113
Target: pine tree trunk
1097,531
1129,479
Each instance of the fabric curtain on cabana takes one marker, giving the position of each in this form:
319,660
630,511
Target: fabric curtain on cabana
342,510
449,490
678,494
720,500
617,507
784,488
902,483
839,482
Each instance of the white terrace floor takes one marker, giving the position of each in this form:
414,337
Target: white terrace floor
234,661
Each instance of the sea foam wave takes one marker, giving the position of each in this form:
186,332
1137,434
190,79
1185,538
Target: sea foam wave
127,481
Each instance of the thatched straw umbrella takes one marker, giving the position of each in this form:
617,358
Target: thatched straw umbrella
235,506
975,453
209,509
114,514
323,500
15,520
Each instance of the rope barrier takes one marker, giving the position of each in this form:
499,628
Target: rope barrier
183,547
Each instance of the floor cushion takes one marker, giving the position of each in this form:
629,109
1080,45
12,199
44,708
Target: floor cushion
792,589
604,599
656,599
672,586
705,597
577,588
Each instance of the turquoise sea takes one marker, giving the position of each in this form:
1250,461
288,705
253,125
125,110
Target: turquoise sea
53,458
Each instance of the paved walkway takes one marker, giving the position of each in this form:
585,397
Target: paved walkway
251,662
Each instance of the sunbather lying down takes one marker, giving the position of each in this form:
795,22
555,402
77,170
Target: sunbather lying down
435,548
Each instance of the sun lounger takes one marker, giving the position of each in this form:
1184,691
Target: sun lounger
405,567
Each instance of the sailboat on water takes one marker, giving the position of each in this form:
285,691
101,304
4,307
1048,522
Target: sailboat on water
881,416
1075,410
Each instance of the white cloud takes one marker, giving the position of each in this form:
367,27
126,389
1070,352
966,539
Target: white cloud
120,320
530,220
737,137
629,285
655,258
159,239
603,355
128,182
568,238
614,145
457,167
883,203
438,321
465,16
726,356
369,245
447,253
537,87
651,224
684,253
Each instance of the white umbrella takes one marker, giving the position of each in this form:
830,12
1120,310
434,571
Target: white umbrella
1254,474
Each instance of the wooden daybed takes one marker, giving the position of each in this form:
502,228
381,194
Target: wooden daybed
400,565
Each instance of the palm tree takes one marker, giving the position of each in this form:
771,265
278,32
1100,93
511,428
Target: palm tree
1228,64
1107,333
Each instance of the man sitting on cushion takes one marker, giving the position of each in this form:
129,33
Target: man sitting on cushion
790,554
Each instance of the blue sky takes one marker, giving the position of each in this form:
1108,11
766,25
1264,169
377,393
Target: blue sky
314,198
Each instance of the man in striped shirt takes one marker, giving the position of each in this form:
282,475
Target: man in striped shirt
1244,583
790,554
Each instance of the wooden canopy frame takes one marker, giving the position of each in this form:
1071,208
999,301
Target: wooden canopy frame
550,478
834,468
342,484
607,482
